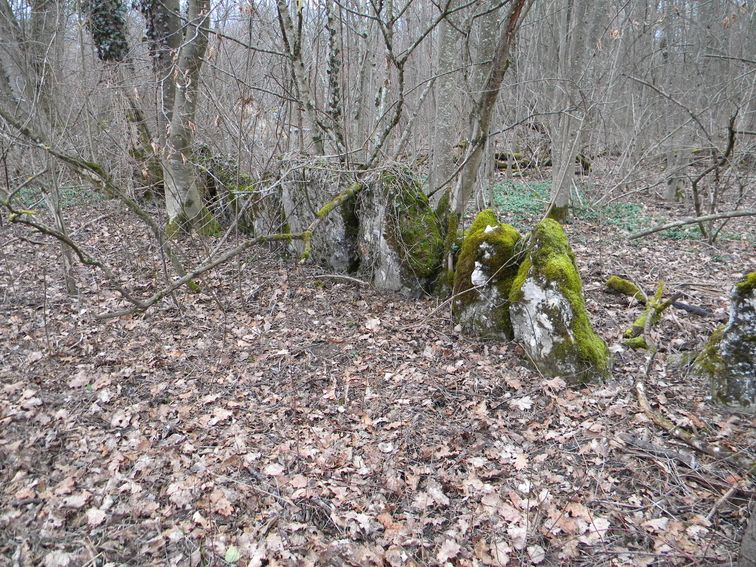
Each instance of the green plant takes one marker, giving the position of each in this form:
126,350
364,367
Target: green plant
521,202
681,233
70,196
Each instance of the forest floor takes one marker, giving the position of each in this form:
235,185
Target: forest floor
285,417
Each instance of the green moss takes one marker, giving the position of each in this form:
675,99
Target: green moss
286,229
638,343
636,329
193,286
492,248
452,238
413,228
174,229
558,214
205,224
709,362
746,285
625,287
442,208
552,263
482,220
227,191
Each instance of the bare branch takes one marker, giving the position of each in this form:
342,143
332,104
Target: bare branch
693,220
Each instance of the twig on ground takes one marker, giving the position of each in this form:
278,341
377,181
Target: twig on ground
338,277
698,444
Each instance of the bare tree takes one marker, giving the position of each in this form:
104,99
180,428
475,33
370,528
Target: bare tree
183,197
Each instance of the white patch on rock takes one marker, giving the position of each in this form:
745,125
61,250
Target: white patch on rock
532,318
487,250
478,276
477,314
489,228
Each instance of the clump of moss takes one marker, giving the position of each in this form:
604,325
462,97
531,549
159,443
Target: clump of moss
547,291
709,361
625,287
746,285
483,220
204,224
413,228
486,266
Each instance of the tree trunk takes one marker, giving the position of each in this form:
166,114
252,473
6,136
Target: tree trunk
447,88
481,117
183,198
574,38
164,32
300,75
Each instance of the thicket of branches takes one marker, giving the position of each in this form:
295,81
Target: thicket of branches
666,90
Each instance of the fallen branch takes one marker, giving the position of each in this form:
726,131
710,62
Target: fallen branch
157,296
698,444
693,220
339,277
637,335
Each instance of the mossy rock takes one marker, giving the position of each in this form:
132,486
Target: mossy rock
305,192
728,359
486,266
414,232
548,310
228,193
400,241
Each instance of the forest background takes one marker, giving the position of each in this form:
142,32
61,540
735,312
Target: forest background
203,361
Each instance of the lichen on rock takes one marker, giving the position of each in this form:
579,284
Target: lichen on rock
486,266
548,310
728,359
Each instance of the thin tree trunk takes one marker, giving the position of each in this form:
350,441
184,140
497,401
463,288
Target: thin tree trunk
447,91
300,75
183,198
483,112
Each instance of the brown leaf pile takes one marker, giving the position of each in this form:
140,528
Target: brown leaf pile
285,418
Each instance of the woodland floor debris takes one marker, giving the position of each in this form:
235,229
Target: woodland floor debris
279,418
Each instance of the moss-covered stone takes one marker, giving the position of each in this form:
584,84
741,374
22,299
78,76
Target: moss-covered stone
228,193
204,224
746,285
728,358
413,228
486,266
548,310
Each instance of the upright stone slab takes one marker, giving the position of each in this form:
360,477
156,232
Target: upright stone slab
548,310
486,266
304,190
399,242
729,357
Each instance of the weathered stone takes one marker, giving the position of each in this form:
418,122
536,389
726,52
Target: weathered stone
729,357
399,243
304,189
548,310
486,266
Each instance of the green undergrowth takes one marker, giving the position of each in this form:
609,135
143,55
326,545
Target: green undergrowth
72,196
522,204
